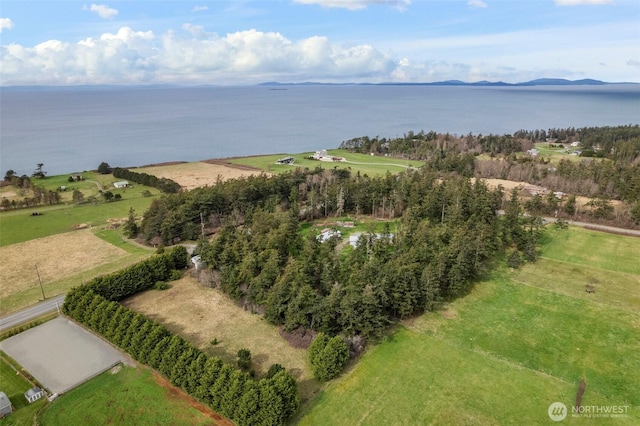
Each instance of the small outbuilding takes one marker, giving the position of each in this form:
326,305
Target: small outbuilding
285,160
34,394
5,405
121,184
198,262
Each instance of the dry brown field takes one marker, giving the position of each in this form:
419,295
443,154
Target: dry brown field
56,257
201,314
197,174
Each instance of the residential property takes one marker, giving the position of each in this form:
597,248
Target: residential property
575,144
77,177
322,155
34,394
121,184
533,152
355,237
5,405
328,233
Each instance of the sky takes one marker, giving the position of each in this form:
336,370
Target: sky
240,42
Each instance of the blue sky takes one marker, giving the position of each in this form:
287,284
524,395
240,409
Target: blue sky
247,42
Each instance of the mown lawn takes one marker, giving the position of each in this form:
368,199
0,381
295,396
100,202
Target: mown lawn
365,164
129,397
14,385
501,355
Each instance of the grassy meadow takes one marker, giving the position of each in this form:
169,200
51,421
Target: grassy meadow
518,342
128,396
365,164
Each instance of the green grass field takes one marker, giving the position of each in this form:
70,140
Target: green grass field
129,397
501,355
366,164
17,226
14,386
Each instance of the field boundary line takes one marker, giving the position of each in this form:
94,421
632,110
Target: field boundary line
606,305
587,266
497,358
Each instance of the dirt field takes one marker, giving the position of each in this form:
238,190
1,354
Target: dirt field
201,314
57,256
60,354
194,175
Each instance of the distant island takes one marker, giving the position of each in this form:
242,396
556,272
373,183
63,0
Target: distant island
537,82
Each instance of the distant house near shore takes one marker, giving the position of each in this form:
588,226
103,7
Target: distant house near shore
76,177
285,160
121,184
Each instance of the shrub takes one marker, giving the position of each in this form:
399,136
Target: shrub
175,275
244,359
161,285
328,356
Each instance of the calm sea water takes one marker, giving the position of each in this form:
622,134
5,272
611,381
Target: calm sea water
76,129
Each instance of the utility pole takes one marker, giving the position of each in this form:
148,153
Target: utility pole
202,225
40,281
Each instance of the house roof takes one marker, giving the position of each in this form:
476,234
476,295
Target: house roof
33,391
4,400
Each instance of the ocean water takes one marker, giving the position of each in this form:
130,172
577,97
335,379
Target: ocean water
75,129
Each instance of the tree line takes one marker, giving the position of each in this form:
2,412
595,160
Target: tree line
40,195
227,390
163,184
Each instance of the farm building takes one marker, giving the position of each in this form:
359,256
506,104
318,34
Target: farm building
121,184
34,394
285,160
5,405
76,177
328,233
355,237
198,262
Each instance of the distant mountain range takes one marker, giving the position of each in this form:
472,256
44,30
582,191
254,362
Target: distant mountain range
537,82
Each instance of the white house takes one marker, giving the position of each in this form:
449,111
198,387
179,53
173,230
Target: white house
198,262
121,184
34,394
575,144
328,233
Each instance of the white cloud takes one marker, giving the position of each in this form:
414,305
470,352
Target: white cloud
192,56
200,8
5,24
477,4
633,63
357,4
582,2
102,10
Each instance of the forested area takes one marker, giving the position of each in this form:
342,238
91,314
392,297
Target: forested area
610,168
227,390
448,234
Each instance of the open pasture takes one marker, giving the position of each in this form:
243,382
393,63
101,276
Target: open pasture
506,351
18,226
14,385
201,314
365,164
63,261
197,174
127,396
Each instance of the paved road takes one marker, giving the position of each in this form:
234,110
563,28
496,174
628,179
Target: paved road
49,305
